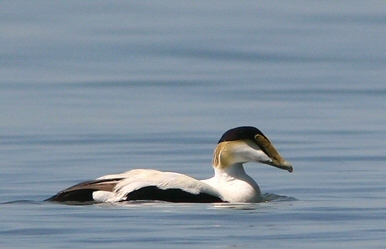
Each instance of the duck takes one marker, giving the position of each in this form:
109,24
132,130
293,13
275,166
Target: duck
230,183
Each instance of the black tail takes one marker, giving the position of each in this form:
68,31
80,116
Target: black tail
82,192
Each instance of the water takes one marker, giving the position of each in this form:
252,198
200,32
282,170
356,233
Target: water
89,89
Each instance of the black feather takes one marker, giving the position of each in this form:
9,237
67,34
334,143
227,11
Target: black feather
82,192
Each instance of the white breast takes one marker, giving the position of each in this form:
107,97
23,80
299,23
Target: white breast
234,185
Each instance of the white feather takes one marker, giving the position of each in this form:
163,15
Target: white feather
103,196
139,178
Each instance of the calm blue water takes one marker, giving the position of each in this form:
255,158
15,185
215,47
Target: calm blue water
92,88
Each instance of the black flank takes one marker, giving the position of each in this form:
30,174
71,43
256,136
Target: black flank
171,195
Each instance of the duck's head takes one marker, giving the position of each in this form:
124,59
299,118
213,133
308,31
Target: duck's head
247,144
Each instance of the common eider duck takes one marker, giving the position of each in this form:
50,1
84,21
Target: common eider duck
230,182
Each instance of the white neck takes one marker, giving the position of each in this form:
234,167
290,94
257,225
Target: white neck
233,170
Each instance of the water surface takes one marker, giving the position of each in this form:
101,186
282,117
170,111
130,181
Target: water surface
89,89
